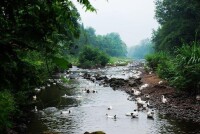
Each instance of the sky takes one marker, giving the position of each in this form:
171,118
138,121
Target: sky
132,19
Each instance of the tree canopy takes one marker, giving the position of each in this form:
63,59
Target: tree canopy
179,23
111,43
33,39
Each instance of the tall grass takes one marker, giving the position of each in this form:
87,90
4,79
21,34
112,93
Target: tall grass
182,70
187,63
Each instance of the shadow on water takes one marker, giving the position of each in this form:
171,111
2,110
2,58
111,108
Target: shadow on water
176,126
88,111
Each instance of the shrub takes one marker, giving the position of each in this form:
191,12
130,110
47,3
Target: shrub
183,71
188,68
166,69
92,57
7,107
153,60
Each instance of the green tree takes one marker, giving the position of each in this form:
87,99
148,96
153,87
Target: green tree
33,39
110,43
179,23
92,57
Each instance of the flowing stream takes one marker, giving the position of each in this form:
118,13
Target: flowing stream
88,110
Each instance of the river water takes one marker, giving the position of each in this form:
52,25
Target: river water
88,111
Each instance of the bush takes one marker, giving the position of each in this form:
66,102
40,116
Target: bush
183,71
188,68
92,57
153,60
166,69
7,107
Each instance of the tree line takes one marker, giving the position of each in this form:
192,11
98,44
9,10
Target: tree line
110,43
139,51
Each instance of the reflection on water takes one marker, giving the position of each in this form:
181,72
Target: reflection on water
88,111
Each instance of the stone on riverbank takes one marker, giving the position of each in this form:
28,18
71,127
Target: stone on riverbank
96,132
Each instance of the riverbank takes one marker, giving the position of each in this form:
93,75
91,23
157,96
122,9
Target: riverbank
88,110
180,105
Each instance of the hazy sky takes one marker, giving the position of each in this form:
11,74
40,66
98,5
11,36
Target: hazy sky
132,19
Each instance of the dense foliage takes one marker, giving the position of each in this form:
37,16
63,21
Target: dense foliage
179,27
141,50
92,57
179,23
182,71
153,60
7,107
33,39
110,43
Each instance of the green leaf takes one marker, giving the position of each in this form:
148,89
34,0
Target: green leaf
61,62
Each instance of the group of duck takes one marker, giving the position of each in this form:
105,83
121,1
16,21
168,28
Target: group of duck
49,83
142,104
134,114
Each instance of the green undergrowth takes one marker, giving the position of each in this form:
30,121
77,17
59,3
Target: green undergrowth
181,70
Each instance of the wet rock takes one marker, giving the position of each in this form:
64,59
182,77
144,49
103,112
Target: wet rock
133,84
101,77
138,81
86,76
22,128
50,110
41,113
96,132
117,82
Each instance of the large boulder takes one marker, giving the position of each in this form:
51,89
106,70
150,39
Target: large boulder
117,82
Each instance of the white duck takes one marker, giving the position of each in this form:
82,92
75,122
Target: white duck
37,89
65,112
147,96
110,107
198,97
135,114
110,116
160,82
35,109
42,87
48,85
34,97
50,80
129,114
54,83
150,114
164,100
136,92
149,105
144,86
64,96
140,101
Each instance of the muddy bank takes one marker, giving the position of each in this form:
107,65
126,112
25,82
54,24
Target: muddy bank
179,105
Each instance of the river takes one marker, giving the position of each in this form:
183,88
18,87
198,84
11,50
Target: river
88,110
